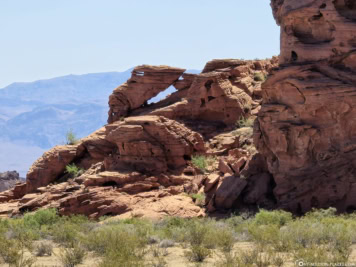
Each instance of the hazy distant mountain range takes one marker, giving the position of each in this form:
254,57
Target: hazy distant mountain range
40,113
35,116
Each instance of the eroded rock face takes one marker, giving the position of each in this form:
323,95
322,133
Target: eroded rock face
48,168
225,91
154,144
145,83
306,124
315,30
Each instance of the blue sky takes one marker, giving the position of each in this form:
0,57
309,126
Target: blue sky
43,39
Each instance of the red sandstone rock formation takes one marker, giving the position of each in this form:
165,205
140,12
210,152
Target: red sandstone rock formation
140,164
145,83
307,121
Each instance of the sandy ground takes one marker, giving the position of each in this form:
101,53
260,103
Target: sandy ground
174,258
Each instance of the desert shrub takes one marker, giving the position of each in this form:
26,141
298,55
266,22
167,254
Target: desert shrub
321,213
313,237
173,222
253,257
198,231
199,199
123,244
228,260
43,249
264,235
73,170
158,254
197,253
259,77
245,122
225,239
202,162
308,236
201,238
71,138
13,246
65,233
43,217
316,254
239,259
70,257
71,228
175,233
276,217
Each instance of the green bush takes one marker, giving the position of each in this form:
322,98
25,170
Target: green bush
65,233
225,239
197,253
13,248
245,122
199,199
201,238
71,138
259,77
42,217
202,162
121,243
321,213
276,217
70,257
73,170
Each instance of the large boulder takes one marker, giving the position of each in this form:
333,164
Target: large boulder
307,126
154,144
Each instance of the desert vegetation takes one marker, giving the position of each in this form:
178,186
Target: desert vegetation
71,138
268,238
73,170
259,77
203,162
245,122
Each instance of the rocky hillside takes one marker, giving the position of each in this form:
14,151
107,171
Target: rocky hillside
188,154
9,179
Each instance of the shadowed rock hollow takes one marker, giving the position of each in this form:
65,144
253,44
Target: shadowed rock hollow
141,162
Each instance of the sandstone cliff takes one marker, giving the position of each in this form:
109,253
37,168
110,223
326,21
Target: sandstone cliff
307,122
142,162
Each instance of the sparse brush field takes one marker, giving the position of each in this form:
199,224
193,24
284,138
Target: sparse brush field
272,238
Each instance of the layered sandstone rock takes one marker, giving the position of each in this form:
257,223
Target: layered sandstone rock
140,164
224,92
307,121
154,144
